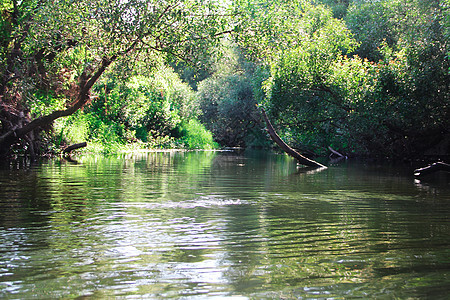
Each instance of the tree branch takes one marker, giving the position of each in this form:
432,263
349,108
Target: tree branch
82,98
435,167
276,138
70,148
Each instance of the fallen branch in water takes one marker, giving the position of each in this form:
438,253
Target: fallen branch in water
276,138
335,152
435,167
70,148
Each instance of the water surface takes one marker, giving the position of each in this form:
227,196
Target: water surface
218,224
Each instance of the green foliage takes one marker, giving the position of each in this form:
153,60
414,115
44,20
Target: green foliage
300,91
61,48
227,100
399,105
366,76
227,103
153,111
271,29
191,75
338,7
73,129
194,135
153,104
445,7
372,24
41,103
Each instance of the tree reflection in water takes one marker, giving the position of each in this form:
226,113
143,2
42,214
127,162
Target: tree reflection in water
181,224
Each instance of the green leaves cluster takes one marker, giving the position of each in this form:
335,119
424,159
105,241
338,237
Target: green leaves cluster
153,111
146,108
228,104
374,82
364,76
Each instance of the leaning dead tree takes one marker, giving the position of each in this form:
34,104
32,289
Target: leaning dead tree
276,138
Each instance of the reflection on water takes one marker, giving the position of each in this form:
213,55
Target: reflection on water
206,224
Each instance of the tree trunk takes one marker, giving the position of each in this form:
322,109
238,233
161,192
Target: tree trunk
74,147
276,138
22,130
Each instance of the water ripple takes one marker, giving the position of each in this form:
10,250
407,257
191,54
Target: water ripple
205,225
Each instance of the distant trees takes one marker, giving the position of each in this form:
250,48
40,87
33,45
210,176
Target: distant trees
228,103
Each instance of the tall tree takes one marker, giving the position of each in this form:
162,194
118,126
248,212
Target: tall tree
62,47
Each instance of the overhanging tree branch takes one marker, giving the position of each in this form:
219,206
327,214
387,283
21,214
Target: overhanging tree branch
83,97
107,32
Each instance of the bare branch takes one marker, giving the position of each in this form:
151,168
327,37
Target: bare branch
276,138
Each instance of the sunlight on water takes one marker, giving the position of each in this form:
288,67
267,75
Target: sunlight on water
206,225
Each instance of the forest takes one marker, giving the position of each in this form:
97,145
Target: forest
364,77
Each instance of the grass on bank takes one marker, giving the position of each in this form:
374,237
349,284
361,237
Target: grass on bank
111,137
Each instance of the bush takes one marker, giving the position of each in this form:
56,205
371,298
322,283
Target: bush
195,136
394,106
147,109
73,129
228,109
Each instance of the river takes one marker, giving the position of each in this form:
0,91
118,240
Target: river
194,225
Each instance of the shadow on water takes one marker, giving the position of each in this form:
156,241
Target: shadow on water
217,224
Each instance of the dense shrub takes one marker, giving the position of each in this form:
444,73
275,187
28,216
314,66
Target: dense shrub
228,101
153,111
396,106
227,104
148,109
194,135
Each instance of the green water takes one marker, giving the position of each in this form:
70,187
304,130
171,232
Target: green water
217,224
